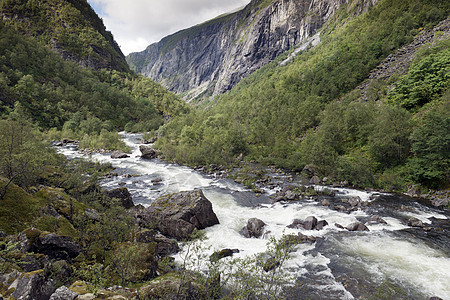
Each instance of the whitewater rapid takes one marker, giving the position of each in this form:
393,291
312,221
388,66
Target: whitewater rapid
376,256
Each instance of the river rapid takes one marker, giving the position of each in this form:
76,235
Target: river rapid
341,264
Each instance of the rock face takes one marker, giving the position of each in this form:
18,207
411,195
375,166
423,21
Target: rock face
33,286
177,215
213,57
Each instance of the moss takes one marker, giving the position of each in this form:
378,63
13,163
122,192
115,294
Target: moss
58,225
32,233
18,209
79,287
31,274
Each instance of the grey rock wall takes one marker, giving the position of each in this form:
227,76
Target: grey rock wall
211,58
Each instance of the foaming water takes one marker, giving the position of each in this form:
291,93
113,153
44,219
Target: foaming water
380,254
408,263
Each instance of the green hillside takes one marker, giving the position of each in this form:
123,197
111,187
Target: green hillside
70,28
309,112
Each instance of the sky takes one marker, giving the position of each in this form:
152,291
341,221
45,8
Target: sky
135,24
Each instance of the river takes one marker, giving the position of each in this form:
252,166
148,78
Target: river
341,264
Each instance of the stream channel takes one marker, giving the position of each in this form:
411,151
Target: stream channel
341,264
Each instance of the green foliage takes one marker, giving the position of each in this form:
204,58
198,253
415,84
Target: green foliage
53,91
430,164
22,152
256,277
427,79
105,140
71,27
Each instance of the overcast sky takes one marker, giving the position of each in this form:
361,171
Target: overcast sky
136,24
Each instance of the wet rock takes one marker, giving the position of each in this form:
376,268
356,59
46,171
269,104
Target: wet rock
118,154
292,239
254,228
314,180
340,208
177,215
147,152
354,201
321,224
357,226
217,255
435,298
290,195
33,286
376,219
63,293
157,181
296,224
325,203
123,195
310,223
414,222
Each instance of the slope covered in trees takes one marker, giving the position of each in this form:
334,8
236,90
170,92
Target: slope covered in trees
69,27
309,112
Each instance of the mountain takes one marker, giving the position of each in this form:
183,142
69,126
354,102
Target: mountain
211,58
369,105
65,70
69,27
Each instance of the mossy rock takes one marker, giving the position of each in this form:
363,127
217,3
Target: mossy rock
57,198
161,287
58,225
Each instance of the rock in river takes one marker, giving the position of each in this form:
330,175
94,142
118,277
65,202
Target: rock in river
177,215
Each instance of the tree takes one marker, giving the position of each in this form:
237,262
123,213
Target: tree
431,148
22,153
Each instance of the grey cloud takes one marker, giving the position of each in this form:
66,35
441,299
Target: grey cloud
136,24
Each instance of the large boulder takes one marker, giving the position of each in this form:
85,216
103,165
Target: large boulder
123,195
53,245
178,215
147,152
254,228
33,286
310,223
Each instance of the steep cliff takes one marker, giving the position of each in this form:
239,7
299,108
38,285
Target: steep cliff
69,27
212,57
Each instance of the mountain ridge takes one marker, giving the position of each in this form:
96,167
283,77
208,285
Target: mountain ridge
212,57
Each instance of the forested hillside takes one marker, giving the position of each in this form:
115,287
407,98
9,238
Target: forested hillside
71,28
80,90
311,113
